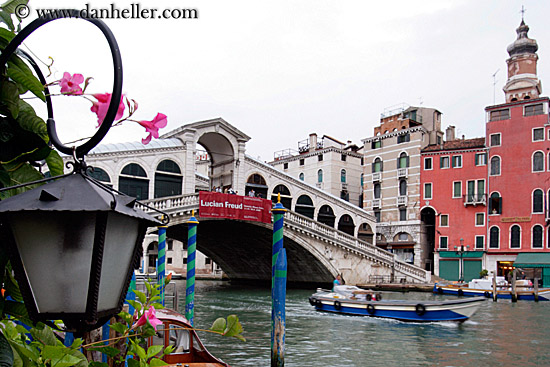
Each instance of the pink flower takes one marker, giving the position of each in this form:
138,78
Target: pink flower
148,316
153,126
102,105
70,84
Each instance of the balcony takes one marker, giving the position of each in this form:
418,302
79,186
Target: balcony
402,172
475,199
377,177
402,200
376,203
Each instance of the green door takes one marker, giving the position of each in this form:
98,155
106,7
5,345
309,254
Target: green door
448,269
472,268
546,277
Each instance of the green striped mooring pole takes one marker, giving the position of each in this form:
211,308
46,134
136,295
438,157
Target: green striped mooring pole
278,287
190,281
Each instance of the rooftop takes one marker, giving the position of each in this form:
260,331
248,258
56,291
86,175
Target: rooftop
457,144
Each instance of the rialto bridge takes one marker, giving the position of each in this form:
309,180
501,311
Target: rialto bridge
324,235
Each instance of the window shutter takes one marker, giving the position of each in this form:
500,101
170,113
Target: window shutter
500,205
398,162
440,162
372,166
381,166
407,163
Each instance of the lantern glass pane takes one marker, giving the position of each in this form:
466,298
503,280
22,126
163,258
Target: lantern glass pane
56,251
120,241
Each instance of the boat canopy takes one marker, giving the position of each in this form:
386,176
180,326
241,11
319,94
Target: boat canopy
533,260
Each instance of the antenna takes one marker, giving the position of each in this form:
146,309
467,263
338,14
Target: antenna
522,11
494,84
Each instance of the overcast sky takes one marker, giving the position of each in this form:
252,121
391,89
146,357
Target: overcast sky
279,70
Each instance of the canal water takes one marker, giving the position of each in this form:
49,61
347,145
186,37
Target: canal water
499,334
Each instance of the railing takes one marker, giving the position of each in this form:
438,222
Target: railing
377,177
475,199
376,203
401,200
344,186
402,172
172,203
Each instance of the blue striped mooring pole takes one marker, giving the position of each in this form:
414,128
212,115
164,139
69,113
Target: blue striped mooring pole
278,288
190,281
161,266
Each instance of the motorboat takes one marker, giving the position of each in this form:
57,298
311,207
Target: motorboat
188,348
484,287
351,300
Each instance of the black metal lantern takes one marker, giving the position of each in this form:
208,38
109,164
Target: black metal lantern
73,242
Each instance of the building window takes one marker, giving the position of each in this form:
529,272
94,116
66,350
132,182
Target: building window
495,140
494,237
302,161
500,115
320,176
343,157
480,242
481,159
538,197
343,176
133,182
537,236
428,163
377,165
403,138
376,144
100,175
457,189
207,261
362,161
285,165
169,260
475,191
538,134
377,191
534,109
402,187
495,166
457,161
427,191
480,219
362,180
402,214
443,242
301,176
403,161
515,236
184,260
168,179
495,203
320,157
170,245
444,220
538,162
377,216
444,162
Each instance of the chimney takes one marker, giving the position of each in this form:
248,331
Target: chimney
450,133
312,142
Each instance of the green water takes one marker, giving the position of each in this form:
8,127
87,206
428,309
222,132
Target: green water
499,334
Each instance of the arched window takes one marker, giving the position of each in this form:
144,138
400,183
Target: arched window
320,176
403,160
133,182
537,236
256,186
495,203
301,176
515,236
494,237
538,162
402,187
286,199
538,196
326,216
168,179
304,206
362,178
377,191
100,175
377,165
343,176
345,224
495,166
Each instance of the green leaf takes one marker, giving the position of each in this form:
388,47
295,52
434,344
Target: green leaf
60,356
77,343
4,177
119,328
29,121
21,173
158,306
133,362
136,305
17,310
6,354
98,364
233,327
110,351
10,284
128,319
9,96
55,163
142,297
219,325
168,350
149,287
83,361
155,362
140,352
154,350
20,73
5,18
44,335
7,35
10,5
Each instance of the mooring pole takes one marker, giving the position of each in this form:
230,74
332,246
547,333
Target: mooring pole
190,281
161,264
278,315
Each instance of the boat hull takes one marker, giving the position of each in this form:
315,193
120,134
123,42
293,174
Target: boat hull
543,294
421,311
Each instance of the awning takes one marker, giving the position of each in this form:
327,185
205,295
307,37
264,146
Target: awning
533,260
465,255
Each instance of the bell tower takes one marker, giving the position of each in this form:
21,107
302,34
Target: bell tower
523,82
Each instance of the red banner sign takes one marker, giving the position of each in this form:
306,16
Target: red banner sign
218,205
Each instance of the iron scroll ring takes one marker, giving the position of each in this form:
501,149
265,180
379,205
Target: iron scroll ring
116,95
